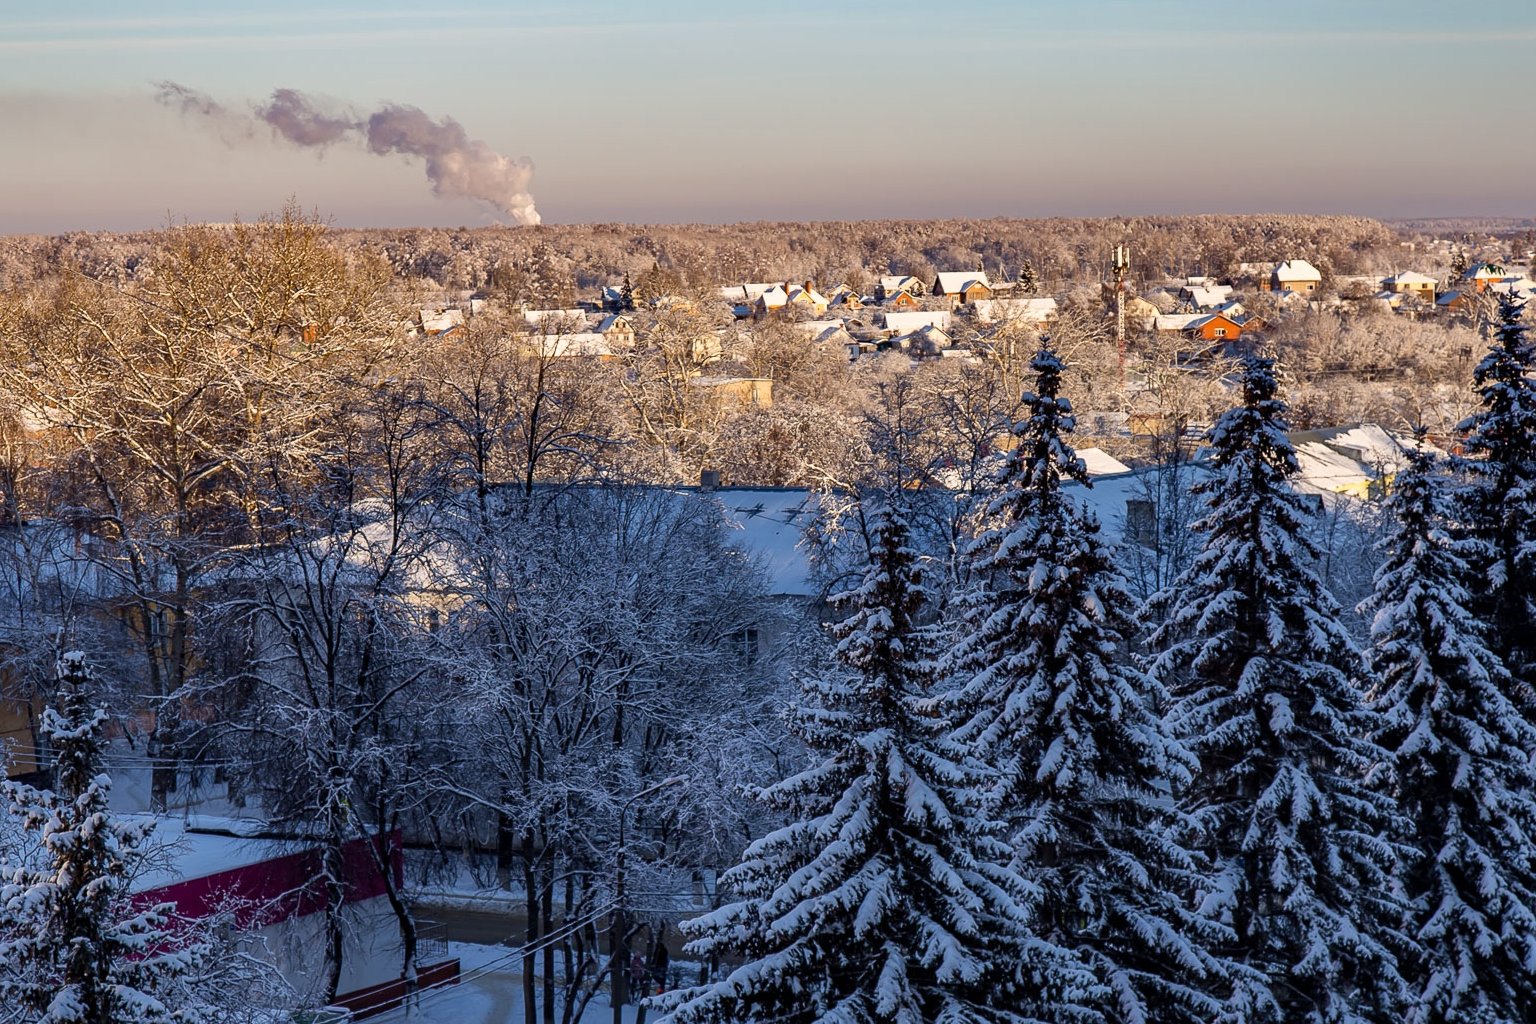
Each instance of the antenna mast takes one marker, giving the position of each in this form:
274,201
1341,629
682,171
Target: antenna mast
1121,267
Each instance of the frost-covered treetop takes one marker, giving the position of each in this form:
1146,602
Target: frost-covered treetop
1037,465
1504,432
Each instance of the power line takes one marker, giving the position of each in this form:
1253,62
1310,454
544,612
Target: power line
569,928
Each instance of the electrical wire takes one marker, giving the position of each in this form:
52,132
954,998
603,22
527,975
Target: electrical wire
429,993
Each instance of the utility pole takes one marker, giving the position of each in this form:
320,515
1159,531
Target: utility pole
618,933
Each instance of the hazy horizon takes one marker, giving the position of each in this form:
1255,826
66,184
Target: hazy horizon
691,114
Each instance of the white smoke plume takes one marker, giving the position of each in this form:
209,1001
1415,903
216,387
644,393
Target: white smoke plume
456,165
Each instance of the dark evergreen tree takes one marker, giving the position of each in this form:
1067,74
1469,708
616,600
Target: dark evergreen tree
627,295
72,948
1083,766
1458,768
1027,279
1458,263
549,278
1265,678
1501,450
880,901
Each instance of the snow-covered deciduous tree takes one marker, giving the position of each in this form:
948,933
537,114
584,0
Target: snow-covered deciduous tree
1266,684
72,947
1082,766
1458,768
1501,445
878,903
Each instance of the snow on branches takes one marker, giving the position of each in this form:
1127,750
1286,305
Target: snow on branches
1266,680
1079,763
1459,767
881,900
72,947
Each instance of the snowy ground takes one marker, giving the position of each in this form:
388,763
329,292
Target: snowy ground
490,992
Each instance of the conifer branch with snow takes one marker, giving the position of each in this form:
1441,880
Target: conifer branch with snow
1079,762
879,902
73,948
1266,681
1459,768
1501,510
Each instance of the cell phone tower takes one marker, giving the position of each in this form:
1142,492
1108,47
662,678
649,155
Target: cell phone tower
1122,266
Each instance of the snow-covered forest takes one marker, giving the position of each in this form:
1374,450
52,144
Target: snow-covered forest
1010,757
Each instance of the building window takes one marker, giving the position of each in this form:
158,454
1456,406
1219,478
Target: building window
745,644
1221,332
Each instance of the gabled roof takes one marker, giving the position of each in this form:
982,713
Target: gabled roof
749,292
1410,277
898,283
1177,321
441,321
799,293
905,323
1347,459
1098,462
773,297
1297,270
1033,310
1522,287
957,281
615,322
1206,296
548,321
1209,318
1485,272
559,346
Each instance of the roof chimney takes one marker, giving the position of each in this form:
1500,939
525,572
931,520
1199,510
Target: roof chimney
709,479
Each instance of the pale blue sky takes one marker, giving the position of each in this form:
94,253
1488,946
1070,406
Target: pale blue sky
686,110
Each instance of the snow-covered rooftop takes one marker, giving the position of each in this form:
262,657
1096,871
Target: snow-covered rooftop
770,523
1037,310
956,281
1297,270
906,323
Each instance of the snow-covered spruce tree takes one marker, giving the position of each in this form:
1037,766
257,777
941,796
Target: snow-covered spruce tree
1265,680
1501,510
1458,769
1080,763
880,902
72,949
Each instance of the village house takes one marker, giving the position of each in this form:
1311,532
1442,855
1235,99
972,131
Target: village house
1211,328
906,323
555,321
888,287
436,322
1036,312
1140,313
1483,275
1452,302
735,391
1206,296
269,889
1295,276
1411,284
845,297
962,286
617,331
927,340
785,296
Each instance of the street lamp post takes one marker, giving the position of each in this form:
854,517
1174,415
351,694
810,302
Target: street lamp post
618,939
